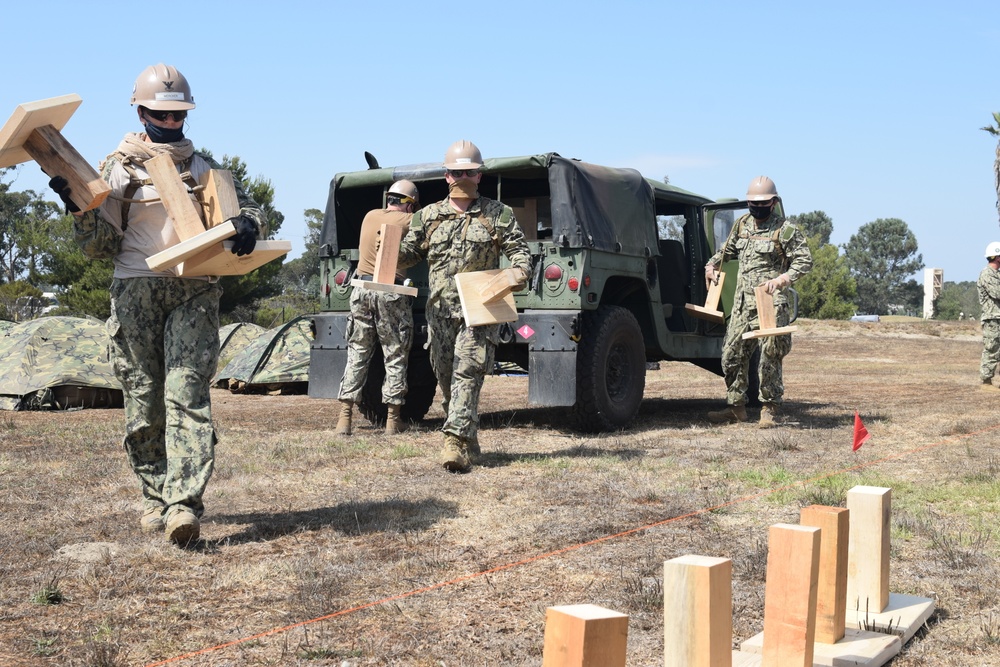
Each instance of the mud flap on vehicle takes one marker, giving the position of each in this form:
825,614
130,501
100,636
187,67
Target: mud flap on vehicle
551,357
328,355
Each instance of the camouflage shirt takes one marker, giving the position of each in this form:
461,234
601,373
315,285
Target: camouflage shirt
988,287
455,242
765,250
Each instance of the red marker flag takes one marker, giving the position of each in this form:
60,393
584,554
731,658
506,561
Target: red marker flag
860,432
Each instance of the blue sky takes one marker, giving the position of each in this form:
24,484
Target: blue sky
863,110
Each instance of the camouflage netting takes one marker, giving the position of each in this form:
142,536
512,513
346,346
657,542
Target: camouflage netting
277,362
234,338
56,363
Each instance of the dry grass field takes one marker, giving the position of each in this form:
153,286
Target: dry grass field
349,551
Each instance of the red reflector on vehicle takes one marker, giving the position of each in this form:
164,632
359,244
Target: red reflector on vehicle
586,281
553,272
340,277
574,284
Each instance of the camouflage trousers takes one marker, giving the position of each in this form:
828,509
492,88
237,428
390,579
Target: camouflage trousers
164,349
461,358
378,318
736,354
991,350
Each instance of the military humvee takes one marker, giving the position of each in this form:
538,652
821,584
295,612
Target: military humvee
615,257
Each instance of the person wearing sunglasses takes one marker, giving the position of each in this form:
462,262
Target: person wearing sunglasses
164,329
379,318
464,232
772,252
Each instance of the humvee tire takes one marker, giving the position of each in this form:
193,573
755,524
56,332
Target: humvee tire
421,386
610,370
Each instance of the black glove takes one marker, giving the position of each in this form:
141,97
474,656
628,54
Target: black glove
246,236
61,187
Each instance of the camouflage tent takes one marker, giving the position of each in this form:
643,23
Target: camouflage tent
56,363
234,338
277,362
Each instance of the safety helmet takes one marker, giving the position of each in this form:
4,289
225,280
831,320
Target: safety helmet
405,189
463,155
761,188
993,249
162,88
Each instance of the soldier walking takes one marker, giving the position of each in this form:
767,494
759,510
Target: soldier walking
464,232
988,286
379,318
774,253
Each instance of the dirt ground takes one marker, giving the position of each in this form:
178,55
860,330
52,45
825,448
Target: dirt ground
318,549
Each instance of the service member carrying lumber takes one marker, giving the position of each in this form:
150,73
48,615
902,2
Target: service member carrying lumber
988,287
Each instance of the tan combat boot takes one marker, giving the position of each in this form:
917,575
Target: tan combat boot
182,527
768,415
988,386
393,421
730,415
344,420
454,454
152,519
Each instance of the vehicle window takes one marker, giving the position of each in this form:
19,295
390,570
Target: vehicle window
670,227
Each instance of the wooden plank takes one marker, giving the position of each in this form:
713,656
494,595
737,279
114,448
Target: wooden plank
476,312
224,263
384,287
790,596
904,614
207,240
57,157
857,647
868,553
219,199
54,111
710,311
766,317
387,256
498,287
584,635
697,612
180,204
831,590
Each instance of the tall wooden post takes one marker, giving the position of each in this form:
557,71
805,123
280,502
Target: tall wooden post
790,596
698,612
831,591
868,555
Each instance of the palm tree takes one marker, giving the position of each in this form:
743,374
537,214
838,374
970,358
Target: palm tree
995,131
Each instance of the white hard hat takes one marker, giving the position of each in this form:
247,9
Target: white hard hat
993,249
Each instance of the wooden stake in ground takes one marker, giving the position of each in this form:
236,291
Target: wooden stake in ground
868,555
386,259
790,596
831,594
584,635
33,133
766,317
710,311
697,612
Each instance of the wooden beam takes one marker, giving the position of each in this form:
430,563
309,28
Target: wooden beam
584,635
220,260
697,612
475,311
176,198
387,256
498,287
790,596
208,240
219,199
868,554
831,590
710,311
766,317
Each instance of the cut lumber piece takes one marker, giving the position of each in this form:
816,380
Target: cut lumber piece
857,648
868,553
386,259
831,590
177,199
476,312
766,317
790,596
584,635
710,311
697,612
223,262
498,287
218,199
904,615
208,240
33,133
384,287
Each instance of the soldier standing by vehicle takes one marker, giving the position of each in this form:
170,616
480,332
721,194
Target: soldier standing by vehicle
465,232
988,286
771,252
378,317
164,329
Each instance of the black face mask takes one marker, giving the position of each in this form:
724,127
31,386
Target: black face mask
760,212
160,135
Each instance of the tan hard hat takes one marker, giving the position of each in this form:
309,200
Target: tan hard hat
162,88
405,188
762,188
463,155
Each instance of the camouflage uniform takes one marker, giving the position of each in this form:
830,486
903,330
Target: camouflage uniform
164,329
378,317
988,287
765,249
456,242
